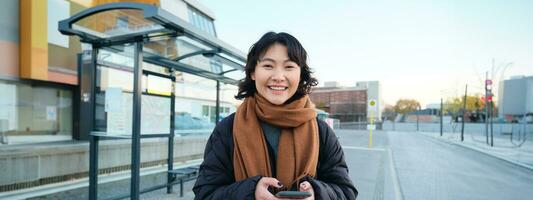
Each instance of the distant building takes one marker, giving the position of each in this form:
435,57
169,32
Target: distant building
515,97
347,104
425,115
433,105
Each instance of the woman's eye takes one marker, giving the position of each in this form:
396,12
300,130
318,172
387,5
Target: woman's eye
268,66
290,67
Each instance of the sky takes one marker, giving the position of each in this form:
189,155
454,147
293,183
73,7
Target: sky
422,50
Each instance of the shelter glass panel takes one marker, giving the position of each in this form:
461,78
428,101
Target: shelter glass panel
114,96
116,22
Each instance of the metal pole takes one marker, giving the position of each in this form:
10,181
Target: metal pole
90,99
93,167
217,108
136,126
491,105
464,115
441,115
490,120
170,161
417,113
181,187
486,108
525,123
371,128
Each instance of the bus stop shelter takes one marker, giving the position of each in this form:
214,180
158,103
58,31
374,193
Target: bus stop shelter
143,35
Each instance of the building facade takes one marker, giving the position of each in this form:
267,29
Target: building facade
516,98
348,104
39,68
39,93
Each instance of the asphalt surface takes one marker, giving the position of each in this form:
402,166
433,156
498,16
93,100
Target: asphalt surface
407,165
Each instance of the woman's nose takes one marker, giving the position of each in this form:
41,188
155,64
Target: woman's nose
278,75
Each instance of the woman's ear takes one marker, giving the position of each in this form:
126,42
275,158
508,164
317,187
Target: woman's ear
252,75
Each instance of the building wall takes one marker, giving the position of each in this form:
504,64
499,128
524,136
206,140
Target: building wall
517,96
35,108
9,39
345,105
177,7
46,89
529,96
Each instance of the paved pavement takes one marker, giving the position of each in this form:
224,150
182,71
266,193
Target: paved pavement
426,168
411,165
162,194
517,149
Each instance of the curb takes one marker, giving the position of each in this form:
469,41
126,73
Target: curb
478,150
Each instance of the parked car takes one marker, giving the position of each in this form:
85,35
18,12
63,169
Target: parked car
186,124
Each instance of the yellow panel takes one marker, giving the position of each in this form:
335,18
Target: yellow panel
34,35
99,2
33,39
84,3
92,3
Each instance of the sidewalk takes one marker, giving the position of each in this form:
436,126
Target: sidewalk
109,185
503,148
162,193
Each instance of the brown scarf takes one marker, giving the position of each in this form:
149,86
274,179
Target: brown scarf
298,142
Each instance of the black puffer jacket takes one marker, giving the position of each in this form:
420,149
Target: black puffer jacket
217,181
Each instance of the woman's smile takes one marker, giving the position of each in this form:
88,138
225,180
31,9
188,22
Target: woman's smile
277,90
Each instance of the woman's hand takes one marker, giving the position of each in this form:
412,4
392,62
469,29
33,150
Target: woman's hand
261,189
262,193
307,187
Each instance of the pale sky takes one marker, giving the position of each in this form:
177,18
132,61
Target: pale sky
422,50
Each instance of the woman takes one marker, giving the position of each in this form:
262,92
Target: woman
274,141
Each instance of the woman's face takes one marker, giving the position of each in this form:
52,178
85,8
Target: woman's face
276,77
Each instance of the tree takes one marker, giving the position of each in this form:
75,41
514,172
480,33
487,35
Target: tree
474,103
404,106
389,113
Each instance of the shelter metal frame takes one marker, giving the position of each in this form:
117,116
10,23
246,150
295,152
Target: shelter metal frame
167,26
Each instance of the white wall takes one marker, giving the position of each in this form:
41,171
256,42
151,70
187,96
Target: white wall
176,7
529,95
373,92
517,96
8,106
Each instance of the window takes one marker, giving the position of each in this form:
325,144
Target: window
205,110
122,22
57,10
213,115
201,21
45,113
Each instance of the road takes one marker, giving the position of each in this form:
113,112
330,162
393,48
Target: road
407,165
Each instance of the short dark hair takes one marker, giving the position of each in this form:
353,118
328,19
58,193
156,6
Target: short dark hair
296,53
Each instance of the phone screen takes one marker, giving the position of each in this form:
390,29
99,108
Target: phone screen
293,194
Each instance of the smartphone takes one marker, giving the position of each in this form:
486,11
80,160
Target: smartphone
293,194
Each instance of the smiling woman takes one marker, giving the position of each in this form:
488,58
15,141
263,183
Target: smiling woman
282,52
274,142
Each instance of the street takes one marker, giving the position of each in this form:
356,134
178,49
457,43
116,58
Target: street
407,165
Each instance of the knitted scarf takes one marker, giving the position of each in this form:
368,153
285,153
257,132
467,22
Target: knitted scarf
298,142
